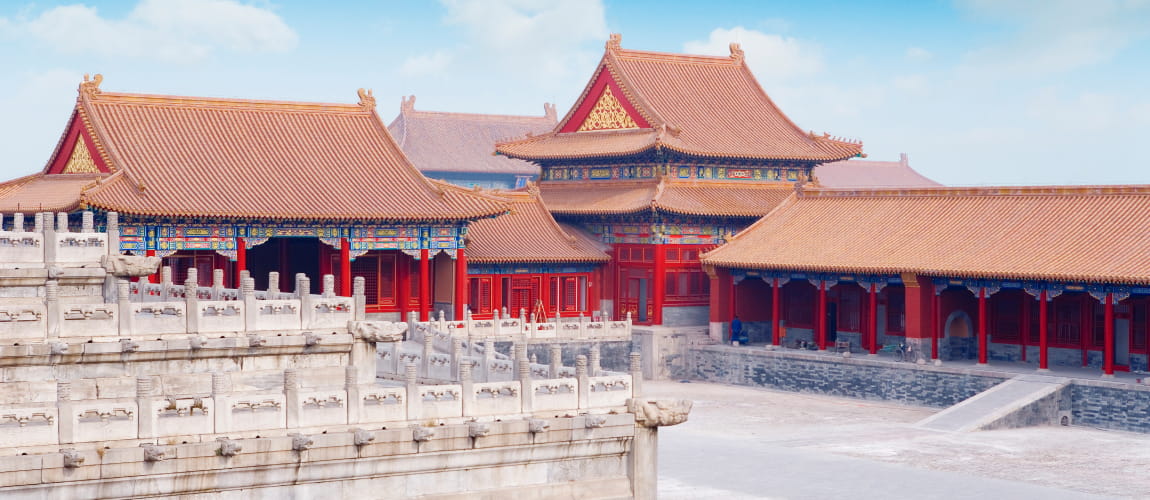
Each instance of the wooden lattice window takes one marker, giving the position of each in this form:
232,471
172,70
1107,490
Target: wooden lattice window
1006,317
1139,324
895,309
378,273
479,290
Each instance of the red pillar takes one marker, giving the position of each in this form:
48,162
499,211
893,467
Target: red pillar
1043,360
872,318
982,337
460,283
732,306
1108,332
594,287
241,259
152,278
1024,335
918,296
720,301
936,309
424,284
822,319
659,283
775,292
344,267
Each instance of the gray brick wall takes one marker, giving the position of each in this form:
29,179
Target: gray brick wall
686,316
1110,405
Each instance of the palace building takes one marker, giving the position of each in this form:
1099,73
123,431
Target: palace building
262,186
662,157
1045,275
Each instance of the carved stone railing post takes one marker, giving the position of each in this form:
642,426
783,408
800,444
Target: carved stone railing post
37,223
147,406
442,321
468,388
412,322
488,358
556,360
17,223
359,297
467,321
306,301
217,284
636,375
192,300
496,319
50,248
61,222
594,360
527,396
87,222
273,285
291,397
649,416
64,411
52,307
251,304
522,321
428,349
514,356
221,403
414,401
166,281
124,306
584,381
354,400
456,356
113,231
302,285
328,286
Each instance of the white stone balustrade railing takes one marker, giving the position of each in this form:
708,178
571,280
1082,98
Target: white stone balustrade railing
153,416
52,241
166,308
524,327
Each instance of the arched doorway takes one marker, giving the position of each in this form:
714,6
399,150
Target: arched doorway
958,335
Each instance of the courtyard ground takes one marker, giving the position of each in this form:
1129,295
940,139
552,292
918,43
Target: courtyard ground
749,443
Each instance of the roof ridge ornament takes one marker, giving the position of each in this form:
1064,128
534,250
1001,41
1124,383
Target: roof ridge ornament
736,52
407,104
91,86
548,110
615,42
366,99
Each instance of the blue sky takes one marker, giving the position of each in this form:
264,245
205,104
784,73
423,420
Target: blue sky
977,92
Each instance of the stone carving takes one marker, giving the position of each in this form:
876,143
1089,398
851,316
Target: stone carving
127,345
363,437
300,442
478,429
104,416
152,453
183,407
23,420
228,447
196,342
594,421
328,402
8,315
421,434
59,348
72,458
130,266
659,412
311,339
269,404
256,341
381,399
537,425
377,331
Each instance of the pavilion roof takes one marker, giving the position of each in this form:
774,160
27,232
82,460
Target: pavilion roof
529,234
193,156
856,173
696,105
1077,234
464,142
686,197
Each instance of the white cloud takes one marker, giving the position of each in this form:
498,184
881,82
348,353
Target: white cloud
772,57
168,30
1055,36
918,54
426,64
910,83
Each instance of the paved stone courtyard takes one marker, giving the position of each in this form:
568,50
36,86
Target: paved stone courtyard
753,443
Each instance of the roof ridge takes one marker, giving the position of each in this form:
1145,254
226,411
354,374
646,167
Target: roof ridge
224,102
676,56
480,116
943,191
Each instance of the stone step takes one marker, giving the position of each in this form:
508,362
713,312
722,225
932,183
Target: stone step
1022,401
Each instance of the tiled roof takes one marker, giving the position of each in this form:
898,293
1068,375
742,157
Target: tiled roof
241,158
529,234
462,142
868,173
697,105
1091,234
734,199
45,193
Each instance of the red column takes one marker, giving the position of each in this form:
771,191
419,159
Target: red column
152,278
424,284
775,299
1108,332
460,283
936,308
344,267
659,283
732,307
594,286
720,301
1024,335
982,337
1042,336
241,259
872,319
822,319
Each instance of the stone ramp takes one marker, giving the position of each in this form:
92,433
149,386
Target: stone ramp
1023,401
